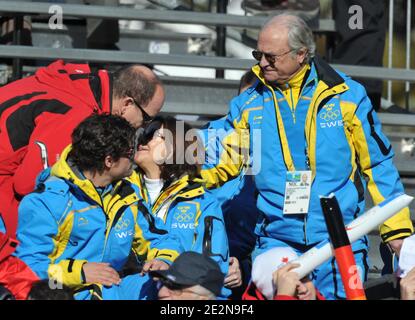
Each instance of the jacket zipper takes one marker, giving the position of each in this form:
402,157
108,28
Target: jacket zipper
308,165
107,231
292,104
170,198
68,206
108,226
308,168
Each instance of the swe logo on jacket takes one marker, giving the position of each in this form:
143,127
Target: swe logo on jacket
330,116
183,218
123,229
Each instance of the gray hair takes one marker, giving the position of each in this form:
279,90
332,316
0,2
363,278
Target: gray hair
299,33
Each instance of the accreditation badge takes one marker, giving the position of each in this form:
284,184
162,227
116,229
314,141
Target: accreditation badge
297,192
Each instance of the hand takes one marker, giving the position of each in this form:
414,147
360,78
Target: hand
407,285
154,265
100,273
396,245
286,281
234,277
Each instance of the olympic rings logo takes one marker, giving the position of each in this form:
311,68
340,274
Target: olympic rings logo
183,216
330,115
122,224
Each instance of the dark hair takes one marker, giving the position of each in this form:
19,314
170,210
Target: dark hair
177,164
248,79
129,81
41,290
99,136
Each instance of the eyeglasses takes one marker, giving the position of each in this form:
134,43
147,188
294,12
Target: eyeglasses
271,58
146,117
149,132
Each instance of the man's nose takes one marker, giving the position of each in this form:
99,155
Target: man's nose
302,289
164,293
263,62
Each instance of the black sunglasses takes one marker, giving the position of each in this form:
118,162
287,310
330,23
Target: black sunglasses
146,117
271,58
146,134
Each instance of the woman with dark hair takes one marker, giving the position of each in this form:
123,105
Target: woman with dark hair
168,160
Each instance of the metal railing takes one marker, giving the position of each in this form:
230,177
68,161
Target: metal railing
396,74
29,8
167,16
220,20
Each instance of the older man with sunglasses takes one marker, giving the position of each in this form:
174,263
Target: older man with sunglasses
302,117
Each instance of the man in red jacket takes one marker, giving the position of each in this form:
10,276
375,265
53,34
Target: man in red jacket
39,113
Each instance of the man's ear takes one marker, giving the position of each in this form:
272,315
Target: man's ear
125,103
301,55
109,162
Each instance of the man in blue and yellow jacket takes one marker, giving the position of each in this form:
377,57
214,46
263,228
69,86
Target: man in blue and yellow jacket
80,225
303,117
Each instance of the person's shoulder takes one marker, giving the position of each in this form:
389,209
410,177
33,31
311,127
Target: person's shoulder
355,85
247,98
356,91
52,193
209,205
51,196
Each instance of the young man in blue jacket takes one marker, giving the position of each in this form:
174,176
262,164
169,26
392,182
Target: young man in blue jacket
81,223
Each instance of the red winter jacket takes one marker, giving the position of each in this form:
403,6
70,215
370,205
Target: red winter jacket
15,275
43,109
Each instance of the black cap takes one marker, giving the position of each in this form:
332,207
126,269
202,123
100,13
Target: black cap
192,268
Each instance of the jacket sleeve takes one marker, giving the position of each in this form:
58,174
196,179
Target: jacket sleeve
233,148
39,243
151,241
375,156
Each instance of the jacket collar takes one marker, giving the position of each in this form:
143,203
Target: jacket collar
64,169
324,72
182,187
